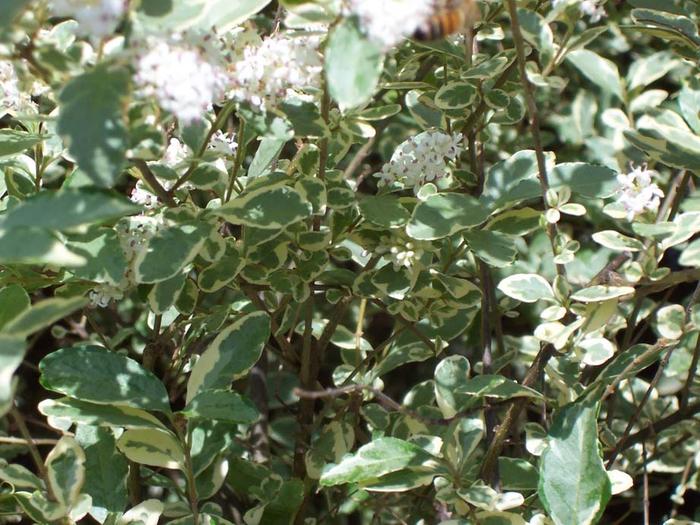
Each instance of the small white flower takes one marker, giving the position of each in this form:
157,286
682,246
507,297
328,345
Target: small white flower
12,97
139,195
183,76
279,66
590,8
103,294
388,22
223,143
421,159
96,18
637,193
176,154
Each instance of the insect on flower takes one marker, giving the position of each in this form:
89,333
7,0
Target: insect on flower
448,17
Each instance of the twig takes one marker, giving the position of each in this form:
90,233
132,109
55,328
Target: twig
7,440
646,485
33,450
260,439
150,178
534,120
238,161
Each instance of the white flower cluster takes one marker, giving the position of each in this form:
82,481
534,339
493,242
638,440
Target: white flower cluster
183,76
276,68
12,97
389,22
96,18
421,159
590,8
134,234
637,193
403,252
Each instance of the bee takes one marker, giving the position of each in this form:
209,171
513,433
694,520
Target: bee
449,16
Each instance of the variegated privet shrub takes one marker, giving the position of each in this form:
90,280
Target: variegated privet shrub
278,262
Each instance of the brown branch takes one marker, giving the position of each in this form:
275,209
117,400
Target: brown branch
152,181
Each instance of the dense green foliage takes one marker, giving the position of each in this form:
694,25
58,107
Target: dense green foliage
277,263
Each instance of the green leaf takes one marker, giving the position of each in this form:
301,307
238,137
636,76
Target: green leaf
384,210
14,300
376,459
169,251
225,15
526,287
35,246
266,208
234,351
66,209
584,179
153,447
43,314
106,471
444,214
91,121
13,141
601,71
12,349
282,509
517,474
222,405
574,486
102,250
268,151
492,247
353,65
93,414
65,470
600,293
673,27
456,95
9,10
92,373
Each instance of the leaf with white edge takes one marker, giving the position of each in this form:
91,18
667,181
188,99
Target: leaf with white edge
231,355
66,209
376,459
450,373
574,486
444,214
600,293
526,287
597,350
266,208
353,65
92,122
601,71
691,255
222,405
106,471
168,252
153,447
164,294
588,180
620,481
95,374
663,138
19,476
145,513
43,314
65,470
12,350
493,386
617,242
456,95
670,321
484,497
85,413
29,245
